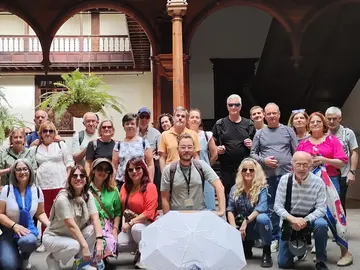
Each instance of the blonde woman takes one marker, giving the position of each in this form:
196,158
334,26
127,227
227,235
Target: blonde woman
247,209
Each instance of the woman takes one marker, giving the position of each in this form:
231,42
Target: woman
102,147
299,122
328,157
69,231
16,150
208,153
20,201
247,209
139,205
133,146
107,200
165,122
54,162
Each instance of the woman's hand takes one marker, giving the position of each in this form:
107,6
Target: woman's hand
20,230
86,254
99,249
125,227
243,229
318,160
115,232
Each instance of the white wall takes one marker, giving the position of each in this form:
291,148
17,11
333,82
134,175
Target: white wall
11,24
113,24
234,32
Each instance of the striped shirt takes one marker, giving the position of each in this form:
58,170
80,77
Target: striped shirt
309,196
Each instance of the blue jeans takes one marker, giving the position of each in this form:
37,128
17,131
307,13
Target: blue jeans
10,259
273,183
209,196
336,181
319,228
260,229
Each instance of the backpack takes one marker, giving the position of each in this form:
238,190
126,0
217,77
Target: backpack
37,188
198,167
81,136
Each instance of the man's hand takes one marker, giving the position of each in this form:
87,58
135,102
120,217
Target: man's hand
221,149
248,143
350,179
58,138
298,223
271,162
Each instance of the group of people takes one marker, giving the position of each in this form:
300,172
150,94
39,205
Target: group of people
94,200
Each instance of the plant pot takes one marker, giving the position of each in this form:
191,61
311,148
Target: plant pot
78,110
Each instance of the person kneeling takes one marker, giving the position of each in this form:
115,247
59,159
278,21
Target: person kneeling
247,209
69,233
303,211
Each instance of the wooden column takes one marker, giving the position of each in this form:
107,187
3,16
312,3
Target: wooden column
95,30
177,9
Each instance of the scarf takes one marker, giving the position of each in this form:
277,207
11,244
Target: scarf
25,218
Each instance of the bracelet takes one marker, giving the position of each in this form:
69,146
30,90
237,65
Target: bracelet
99,237
12,227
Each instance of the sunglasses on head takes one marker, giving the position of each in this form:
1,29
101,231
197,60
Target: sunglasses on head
298,111
244,170
76,176
50,131
144,116
103,169
234,104
136,169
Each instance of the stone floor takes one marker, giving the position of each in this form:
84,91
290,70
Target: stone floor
125,260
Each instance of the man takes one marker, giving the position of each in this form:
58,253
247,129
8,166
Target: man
168,146
348,140
40,117
183,188
233,136
273,147
80,140
257,115
306,210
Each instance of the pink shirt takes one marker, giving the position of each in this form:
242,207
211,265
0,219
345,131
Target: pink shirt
330,148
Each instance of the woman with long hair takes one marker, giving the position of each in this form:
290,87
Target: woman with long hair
107,200
299,122
247,209
20,201
75,225
165,122
139,199
328,157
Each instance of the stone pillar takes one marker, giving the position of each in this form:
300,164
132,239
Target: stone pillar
177,9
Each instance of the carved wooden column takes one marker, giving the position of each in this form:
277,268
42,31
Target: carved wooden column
177,9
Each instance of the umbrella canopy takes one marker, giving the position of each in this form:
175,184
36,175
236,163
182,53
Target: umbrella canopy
191,241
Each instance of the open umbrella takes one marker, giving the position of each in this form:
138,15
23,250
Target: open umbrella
191,241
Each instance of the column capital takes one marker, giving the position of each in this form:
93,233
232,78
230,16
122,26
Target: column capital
176,8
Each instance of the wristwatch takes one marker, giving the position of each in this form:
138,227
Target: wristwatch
353,172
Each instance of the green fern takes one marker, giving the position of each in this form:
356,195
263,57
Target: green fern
80,88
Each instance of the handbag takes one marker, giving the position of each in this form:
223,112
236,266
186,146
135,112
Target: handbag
128,214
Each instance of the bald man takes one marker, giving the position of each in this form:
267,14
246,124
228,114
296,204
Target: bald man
307,209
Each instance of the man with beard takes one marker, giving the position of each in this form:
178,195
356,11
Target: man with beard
182,182
168,146
257,115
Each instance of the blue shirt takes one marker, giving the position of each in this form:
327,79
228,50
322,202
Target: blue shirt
243,206
31,137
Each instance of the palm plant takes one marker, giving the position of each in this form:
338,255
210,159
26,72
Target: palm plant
82,93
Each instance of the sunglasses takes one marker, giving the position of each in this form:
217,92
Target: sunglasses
50,131
234,105
244,170
103,169
20,170
298,111
136,169
106,127
76,176
144,116
27,133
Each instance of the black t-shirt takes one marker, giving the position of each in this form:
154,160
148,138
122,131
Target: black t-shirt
232,136
102,150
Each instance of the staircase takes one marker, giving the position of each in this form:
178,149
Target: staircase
140,45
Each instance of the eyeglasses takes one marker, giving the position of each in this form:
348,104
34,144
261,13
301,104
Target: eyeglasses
144,116
50,131
102,169
136,169
184,147
299,165
244,170
298,111
76,176
106,127
20,170
234,105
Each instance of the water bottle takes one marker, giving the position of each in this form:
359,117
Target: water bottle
100,265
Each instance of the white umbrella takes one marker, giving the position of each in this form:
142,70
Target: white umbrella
191,241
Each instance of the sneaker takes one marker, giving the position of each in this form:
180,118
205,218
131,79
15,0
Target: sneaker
52,263
139,265
41,248
321,266
313,250
266,260
303,257
258,243
274,246
26,265
345,260
88,267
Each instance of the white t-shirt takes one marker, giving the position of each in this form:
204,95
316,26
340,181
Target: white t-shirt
12,208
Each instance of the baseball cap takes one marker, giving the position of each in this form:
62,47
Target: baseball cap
102,160
144,110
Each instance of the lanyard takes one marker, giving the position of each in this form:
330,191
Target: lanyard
187,179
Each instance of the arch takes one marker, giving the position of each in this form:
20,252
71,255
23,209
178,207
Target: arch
280,16
314,13
74,9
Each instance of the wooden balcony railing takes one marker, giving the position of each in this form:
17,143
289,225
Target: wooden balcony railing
18,43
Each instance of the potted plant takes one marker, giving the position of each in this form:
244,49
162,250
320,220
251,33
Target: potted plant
82,93
7,120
